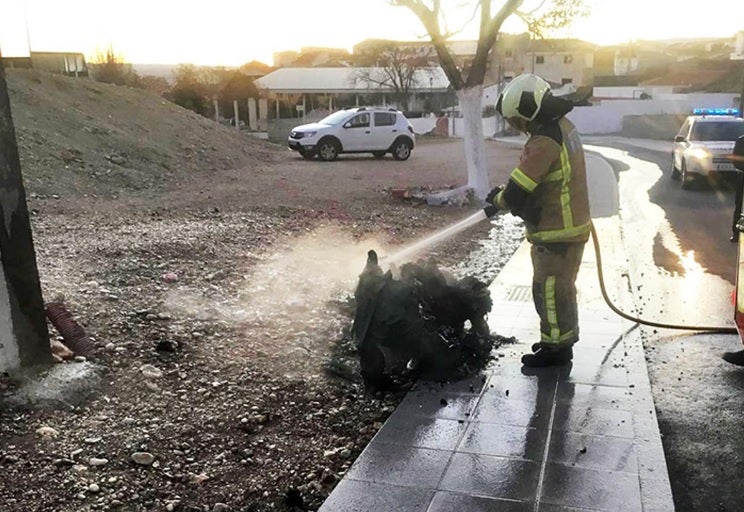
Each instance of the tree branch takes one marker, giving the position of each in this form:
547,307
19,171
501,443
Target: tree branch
429,17
489,31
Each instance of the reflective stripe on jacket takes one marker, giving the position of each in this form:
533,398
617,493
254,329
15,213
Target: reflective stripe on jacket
548,189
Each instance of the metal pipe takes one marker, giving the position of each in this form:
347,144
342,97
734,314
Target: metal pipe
72,332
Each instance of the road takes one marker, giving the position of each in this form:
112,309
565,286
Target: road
682,272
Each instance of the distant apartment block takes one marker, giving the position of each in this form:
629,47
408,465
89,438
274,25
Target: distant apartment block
366,52
559,61
312,57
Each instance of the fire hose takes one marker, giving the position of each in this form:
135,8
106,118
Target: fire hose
600,274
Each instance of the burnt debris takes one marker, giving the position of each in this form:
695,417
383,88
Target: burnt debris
412,325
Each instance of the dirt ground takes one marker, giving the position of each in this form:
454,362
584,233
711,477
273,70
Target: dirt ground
213,272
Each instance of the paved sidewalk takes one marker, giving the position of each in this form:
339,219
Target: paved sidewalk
580,438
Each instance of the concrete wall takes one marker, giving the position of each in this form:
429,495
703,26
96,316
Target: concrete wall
491,126
423,125
631,92
279,128
657,118
607,117
660,127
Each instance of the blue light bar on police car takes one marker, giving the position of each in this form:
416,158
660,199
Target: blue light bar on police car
716,111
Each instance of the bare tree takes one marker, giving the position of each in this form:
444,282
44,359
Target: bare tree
468,81
188,90
109,67
396,69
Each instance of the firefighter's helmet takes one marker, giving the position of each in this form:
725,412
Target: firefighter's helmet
523,97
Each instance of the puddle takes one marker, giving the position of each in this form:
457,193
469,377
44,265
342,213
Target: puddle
671,278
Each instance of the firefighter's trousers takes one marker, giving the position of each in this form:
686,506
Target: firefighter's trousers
555,267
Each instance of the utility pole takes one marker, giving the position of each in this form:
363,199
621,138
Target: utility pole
24,337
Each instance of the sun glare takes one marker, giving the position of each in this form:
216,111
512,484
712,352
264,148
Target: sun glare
232,32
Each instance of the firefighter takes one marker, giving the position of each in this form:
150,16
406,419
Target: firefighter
548,190
737,358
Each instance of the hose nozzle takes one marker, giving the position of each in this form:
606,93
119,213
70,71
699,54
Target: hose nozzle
491,210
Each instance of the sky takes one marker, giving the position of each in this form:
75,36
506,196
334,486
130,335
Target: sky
233,32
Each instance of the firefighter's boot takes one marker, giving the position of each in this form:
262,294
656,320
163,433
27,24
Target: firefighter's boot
547,356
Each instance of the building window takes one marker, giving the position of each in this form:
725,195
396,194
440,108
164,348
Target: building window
567,59
540,59
565,81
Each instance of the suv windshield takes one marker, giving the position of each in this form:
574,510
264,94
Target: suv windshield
717,130
336,117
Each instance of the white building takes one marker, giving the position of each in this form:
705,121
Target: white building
328,89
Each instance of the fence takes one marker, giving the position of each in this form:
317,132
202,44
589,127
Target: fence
657,118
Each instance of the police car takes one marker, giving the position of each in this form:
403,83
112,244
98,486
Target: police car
704,144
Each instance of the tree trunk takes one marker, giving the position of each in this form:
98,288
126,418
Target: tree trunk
475,151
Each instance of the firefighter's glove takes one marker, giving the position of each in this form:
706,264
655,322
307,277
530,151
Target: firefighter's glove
493,206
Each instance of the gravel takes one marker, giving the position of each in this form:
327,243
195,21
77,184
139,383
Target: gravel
213,275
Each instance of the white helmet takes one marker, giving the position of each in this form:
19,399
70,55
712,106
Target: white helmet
523,97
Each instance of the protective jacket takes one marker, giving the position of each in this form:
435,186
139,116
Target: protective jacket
548,188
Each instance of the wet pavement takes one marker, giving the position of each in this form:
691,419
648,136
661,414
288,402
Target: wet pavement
582,437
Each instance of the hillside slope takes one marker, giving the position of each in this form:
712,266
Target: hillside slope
82,138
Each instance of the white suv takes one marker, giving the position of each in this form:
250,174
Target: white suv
704,145
376,130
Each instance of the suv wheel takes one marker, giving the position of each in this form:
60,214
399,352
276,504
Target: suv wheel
328,149
402,149
686,180
675,172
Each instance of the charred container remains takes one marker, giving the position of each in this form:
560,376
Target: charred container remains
419,322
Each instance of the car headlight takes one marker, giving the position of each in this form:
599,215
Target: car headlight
698,153
309,134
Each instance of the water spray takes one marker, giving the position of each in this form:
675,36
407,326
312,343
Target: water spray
439,237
